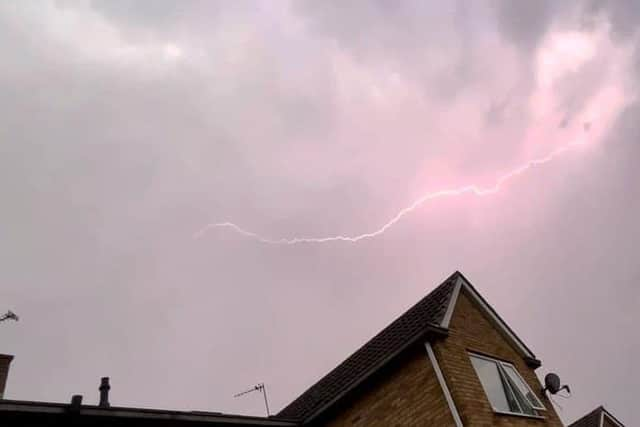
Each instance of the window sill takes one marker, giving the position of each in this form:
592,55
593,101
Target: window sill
515,414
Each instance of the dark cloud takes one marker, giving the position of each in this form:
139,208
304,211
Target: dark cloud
156,14
526,22
623,15
160,19
417,40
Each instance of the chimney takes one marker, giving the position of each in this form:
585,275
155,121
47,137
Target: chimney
104,392
5,361
76,404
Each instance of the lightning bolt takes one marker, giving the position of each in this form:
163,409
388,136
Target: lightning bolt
453,192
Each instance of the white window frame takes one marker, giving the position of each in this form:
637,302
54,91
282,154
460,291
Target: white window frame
500,364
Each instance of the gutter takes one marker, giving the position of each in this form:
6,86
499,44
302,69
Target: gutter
48,408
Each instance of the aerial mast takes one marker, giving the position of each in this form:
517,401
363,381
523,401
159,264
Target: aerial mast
9,315
259,387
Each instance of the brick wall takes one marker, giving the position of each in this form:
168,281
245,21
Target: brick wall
470,330
406,394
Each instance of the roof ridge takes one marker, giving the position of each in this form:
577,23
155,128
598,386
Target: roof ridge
428,311
585,420
609,414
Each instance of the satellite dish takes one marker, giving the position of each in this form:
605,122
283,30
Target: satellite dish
552,384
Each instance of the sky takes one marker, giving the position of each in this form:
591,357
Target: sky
128,129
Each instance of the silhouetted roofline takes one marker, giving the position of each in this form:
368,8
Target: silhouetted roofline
214,418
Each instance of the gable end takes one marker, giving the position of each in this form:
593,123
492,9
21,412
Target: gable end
462,284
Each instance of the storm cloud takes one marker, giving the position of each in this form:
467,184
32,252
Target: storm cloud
126,126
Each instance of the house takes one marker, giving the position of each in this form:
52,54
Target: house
450,360
599,417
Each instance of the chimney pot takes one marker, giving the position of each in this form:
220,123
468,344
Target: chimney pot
76,403
5,361
104,392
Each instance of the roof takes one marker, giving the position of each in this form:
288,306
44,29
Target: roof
18,413
427,314
594,419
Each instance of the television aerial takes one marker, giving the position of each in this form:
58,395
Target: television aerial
258,387
9,315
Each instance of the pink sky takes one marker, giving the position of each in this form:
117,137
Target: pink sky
129,126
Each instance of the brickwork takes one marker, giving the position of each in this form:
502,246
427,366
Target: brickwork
408,395
471,330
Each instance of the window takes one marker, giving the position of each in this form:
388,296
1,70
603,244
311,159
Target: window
504,387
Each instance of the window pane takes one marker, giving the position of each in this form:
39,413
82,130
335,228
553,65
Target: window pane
516,379
490,378
514,402
513,391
